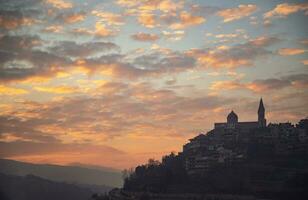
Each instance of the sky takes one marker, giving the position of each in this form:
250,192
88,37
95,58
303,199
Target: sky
114,83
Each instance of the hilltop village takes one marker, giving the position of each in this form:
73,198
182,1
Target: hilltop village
234,141
247,160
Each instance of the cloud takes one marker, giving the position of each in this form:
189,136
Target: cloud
15,19
145,37
267,85
33,59
115,109
147,20
305,62
157,13
232,14
25,130
109,18
263,41
71,17
290,51
10,91
150,5
230,35
113,115
19,14
80,50
60,4
173,35
57,89
263,85
235,56
186,20
162,5
102,31
304,41
53,29
20,59
153,64
171,82
158,63
203,10
128,3
18,43
225,85
21,147
285,9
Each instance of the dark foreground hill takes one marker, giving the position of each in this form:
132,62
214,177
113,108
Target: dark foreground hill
69,174
34,188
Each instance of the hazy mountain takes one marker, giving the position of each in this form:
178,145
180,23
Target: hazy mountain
69,174
35,188
106,169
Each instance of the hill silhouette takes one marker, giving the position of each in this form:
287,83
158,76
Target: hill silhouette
69,174
31,187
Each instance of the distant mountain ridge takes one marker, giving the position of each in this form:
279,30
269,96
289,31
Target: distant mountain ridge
35,188
97,167
68,174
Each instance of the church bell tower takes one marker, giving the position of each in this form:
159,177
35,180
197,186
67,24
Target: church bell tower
261,114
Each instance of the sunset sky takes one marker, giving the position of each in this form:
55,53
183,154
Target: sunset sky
114,83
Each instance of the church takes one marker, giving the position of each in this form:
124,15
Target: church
233,123
223,144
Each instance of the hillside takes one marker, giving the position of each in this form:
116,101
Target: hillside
69,174
35,188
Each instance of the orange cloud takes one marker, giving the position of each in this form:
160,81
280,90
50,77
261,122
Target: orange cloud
128,3
291,51
170,6
305,62
285,9
231,35
162,5
57,89
263,85
75,17
263,41
148,12
54,29
145,37
10,91
235,85
8,137
241,11
102,30
186,20
225,85
60,4
234,56
147,20
109,18
13,23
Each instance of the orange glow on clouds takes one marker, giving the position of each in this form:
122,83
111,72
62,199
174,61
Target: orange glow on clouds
115,83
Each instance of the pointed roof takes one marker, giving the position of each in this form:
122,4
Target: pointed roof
232,116
261,106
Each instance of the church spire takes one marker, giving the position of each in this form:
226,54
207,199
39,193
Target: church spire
261,106
261,114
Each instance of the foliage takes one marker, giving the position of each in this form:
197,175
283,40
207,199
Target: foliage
155,176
